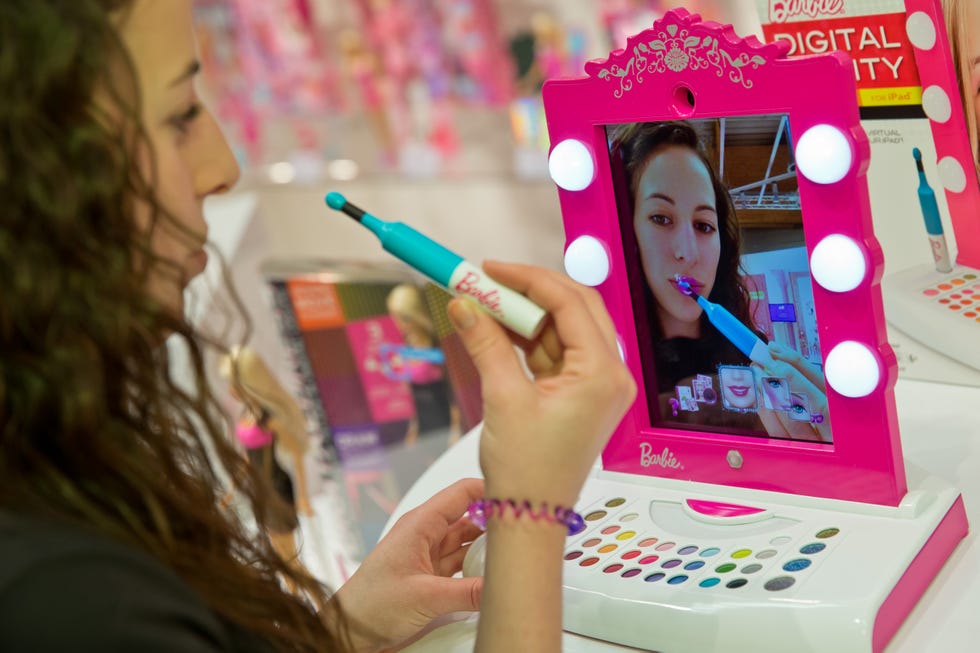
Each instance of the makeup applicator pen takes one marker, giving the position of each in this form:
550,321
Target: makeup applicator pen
728,325
449,270
930,213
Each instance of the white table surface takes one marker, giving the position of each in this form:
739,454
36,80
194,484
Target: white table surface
940,427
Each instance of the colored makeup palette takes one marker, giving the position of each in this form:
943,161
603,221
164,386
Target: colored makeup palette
690,567
622,541
941,311
959,294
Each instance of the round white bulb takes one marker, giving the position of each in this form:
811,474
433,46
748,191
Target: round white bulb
935,102
838,264
570,165
823,154
921,30
586,261
282,173
852,369
952,175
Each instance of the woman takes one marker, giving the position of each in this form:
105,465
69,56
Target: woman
963,30
681,224
111,532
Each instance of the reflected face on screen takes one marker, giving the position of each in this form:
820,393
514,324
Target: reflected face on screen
738,387
676,225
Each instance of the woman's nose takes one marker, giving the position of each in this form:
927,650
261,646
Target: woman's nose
217,169
685,246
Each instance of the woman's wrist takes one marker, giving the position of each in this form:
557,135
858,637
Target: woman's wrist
492,509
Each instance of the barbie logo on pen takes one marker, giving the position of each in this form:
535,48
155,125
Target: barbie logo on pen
470,285
665,459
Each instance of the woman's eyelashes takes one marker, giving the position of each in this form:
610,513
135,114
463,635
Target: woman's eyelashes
182,122
706,228
664,220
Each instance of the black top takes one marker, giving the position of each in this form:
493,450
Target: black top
63,588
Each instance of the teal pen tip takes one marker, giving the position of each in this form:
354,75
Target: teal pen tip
336,201
916,154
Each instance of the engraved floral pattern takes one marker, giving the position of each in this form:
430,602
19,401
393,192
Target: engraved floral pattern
676,48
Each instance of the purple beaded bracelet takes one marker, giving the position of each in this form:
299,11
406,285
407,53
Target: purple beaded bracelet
481,510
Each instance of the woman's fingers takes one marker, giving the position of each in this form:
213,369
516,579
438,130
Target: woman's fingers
567,301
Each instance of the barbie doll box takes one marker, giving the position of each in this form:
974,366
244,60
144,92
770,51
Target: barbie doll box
923,198
385,379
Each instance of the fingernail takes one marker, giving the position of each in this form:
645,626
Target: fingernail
462,314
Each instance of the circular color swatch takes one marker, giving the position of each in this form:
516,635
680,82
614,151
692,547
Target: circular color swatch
609,530
826,533
615,503
665,546
707,553
687,550
588,562
609,548
710,582
629,555
811,549
738,582
751,569
677,580
649,559
572,555
765,555
797,565
595,515
780,583
650,541
653,578
591,542
693,565
612,569
629,573
670,564
630,517
626,535
742,553
725,568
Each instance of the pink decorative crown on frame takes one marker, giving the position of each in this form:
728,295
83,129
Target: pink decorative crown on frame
686,69
685,44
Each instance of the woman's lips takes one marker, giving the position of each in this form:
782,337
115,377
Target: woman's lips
695,285
739,390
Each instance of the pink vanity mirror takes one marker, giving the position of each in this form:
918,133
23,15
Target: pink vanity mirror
744,500
932,304
819,421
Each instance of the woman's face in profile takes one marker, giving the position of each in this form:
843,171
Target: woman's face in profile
191,158
676,226
738,387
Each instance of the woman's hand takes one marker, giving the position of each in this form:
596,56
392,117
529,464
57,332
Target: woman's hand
804,380
406,581
541,435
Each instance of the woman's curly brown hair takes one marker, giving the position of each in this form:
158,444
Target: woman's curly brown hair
93,428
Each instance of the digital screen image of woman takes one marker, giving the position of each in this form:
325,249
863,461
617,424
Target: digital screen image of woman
683,240
738,388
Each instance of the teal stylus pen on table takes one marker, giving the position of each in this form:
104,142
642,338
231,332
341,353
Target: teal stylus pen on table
448,269
730,326
930,213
